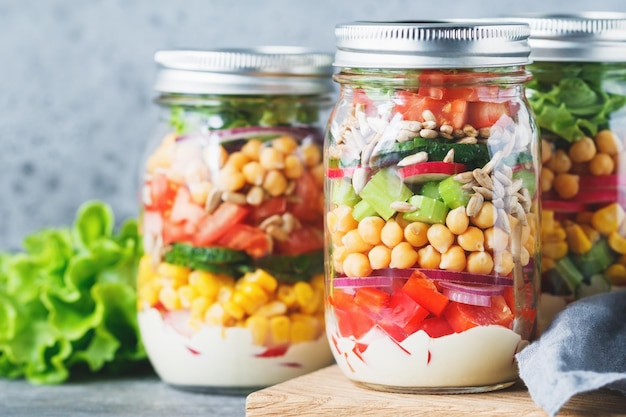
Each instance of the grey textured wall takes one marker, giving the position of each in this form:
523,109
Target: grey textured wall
76,82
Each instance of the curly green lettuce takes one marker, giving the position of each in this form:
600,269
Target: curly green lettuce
579,102
68,300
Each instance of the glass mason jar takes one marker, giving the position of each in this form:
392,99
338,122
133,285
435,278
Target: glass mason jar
231,285
578,94
432,211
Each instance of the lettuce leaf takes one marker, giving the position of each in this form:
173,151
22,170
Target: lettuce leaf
68,300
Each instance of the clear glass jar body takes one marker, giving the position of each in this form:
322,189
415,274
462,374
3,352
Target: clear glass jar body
581,111
231,284
431,228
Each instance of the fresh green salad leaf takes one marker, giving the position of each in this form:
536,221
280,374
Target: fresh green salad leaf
68,300
578,103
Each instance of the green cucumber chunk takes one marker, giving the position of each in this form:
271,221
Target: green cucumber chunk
431,189
362,210
428,210
529,180
210,259
453,194
343,193
289,268
384,188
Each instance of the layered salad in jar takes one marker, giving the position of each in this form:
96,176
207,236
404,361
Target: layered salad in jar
431,225
231,284
581,110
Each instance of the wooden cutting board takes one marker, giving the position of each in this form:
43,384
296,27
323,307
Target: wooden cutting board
328,393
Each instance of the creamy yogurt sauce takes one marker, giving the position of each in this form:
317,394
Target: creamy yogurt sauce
481,356
224,356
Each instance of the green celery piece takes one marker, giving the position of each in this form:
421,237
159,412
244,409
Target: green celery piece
452,193
569,273
362,210
428,210
343,193
384,188
431,189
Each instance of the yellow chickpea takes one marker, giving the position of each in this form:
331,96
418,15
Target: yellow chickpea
583,150
254,173
285,144
353,242
252,148
293,167
340,219
370,229
496,239
237,160
486,216
230,179
440,237
479,263
547,178
275,183
453,259
357,265
602,164
608,142
379,257
560,161
391,234
566,185
403,256
457,220
429,257
472,239
271,158
416,234
503,263
311,154
546,151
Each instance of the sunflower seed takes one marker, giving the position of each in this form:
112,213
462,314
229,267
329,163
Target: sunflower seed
428,133
449,156
415,158
359,179
470,130
402,207
429,125
277,233
493,162
274,219
429,116
484,132
213,200
486,193
474,205
447,129
468,140
233,197
464,177
483,178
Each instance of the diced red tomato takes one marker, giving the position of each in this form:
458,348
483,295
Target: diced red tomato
302,240
215,225
152,223
351,319
412,107
468,86
462,317
402,317
309,206
175,232
436,327
185,210
424,292
248,238
162,192
484,113
269,207
372,299
360,96
527,311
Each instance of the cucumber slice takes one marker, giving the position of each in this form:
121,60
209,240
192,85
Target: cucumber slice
210,259
598,283
362,210
384,188
343,193
596,260
288,268
452,193
431,189
428,210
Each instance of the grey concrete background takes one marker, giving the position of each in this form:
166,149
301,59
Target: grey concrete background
76,82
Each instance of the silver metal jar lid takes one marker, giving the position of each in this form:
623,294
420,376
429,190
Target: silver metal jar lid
581,37
436,44
269,70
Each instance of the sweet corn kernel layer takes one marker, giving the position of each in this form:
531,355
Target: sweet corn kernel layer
579,236
275,313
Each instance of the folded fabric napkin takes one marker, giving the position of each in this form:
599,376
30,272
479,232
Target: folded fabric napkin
583,349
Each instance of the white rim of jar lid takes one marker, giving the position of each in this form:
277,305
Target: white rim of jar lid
268,70
432,44
578,37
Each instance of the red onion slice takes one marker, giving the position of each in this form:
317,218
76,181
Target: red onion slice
372,281
487,290
466,298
